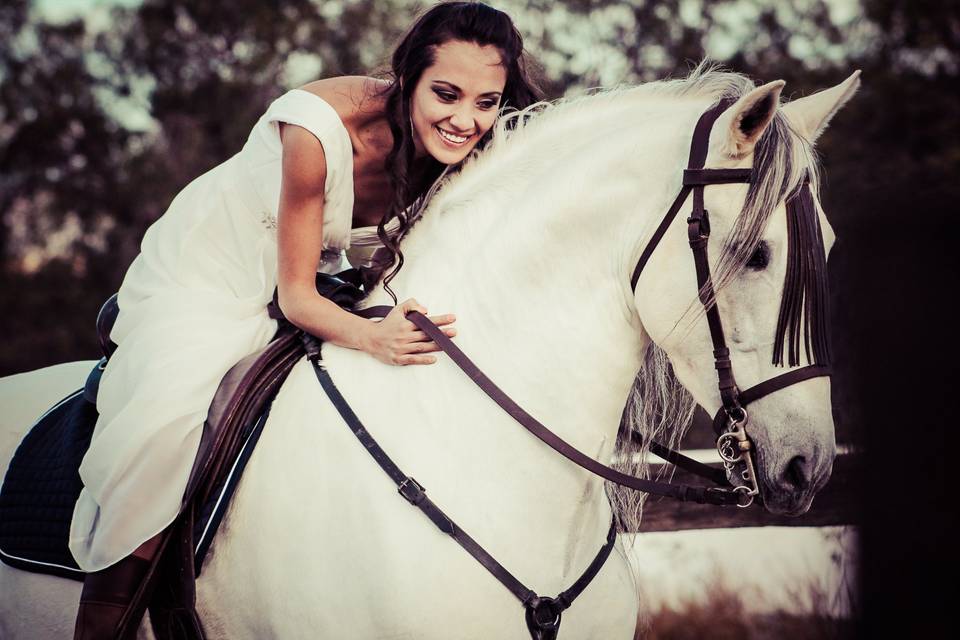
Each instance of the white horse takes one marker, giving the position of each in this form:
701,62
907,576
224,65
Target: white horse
532,246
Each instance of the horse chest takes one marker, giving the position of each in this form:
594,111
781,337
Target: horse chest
344,556
425,592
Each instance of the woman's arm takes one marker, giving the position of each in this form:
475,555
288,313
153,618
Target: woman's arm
395,340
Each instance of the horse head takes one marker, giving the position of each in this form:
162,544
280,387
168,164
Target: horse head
768,300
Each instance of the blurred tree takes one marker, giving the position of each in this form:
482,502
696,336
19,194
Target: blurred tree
61,176
59,152
211,69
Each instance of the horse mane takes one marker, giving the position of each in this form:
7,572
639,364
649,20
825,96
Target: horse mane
658,408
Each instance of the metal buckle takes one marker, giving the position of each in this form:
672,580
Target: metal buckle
722,494
739,410
411,490
703,224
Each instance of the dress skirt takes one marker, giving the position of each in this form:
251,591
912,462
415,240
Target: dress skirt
192,304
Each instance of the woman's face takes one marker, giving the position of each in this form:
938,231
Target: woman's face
456,100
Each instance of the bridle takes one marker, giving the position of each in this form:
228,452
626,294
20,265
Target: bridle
543,614
729,423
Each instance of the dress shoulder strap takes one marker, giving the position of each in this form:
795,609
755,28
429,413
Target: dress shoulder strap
308,110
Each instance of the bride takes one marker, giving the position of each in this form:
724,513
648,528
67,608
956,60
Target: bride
334,171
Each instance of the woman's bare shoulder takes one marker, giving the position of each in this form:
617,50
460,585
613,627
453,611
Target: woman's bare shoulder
353,97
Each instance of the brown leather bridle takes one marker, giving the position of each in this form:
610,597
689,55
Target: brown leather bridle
543,614
729,422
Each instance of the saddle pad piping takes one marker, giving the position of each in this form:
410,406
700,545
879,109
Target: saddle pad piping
230,485
17,560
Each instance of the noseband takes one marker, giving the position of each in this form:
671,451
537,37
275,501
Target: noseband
729,423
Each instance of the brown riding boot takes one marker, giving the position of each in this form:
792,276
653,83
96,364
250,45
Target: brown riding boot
105,597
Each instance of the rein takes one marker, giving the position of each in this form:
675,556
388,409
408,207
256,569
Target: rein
543,613
702,495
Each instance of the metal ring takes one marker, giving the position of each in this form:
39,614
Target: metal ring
726,444
735,421
746,492
547,605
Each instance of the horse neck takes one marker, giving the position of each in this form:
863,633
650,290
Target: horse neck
536,267
535,260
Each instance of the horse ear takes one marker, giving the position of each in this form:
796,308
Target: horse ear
810,115
740,126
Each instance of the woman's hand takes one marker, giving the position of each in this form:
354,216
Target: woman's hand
396,340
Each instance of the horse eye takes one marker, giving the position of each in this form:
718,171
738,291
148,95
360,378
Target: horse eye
760,258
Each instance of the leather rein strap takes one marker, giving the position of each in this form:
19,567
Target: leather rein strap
703,495
542,613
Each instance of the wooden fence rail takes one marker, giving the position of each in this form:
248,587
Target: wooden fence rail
835,504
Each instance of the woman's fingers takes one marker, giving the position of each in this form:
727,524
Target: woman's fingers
418,347
420,336
412,305
412,359
440,321
443,320
414,343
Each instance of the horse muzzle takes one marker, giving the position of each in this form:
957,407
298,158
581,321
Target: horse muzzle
789,481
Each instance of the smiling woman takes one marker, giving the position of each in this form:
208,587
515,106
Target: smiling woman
449,120
337,169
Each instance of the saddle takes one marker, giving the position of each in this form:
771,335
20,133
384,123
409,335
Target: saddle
42,483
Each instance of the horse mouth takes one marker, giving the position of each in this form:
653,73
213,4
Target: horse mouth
785,503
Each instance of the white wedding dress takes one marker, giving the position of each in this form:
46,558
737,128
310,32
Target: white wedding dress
192,304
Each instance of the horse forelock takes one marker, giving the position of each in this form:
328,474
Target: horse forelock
781,161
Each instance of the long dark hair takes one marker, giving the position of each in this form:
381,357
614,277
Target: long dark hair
466,21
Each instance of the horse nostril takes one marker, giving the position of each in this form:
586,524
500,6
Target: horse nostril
796,475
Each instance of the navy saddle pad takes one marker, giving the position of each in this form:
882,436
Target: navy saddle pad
43,483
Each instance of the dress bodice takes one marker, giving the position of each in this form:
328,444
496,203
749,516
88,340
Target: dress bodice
343,245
